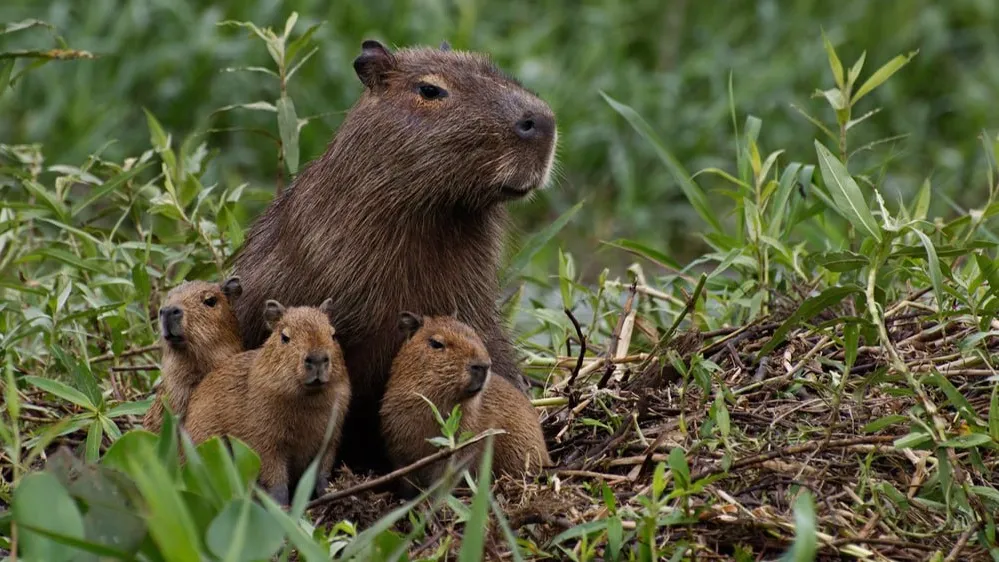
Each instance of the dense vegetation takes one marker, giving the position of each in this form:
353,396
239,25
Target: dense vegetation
813,373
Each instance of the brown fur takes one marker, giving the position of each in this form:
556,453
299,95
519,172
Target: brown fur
404,211
261,397
443,375
194,342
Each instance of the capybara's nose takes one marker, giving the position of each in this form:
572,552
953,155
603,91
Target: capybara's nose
535,125
477,373
171,313
317,367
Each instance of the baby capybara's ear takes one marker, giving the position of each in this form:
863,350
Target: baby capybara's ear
273,311
327,309
410,322
232,288
373,64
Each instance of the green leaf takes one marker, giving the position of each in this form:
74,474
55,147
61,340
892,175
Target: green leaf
834,63
646,252
170,523
967,441
678,467
839,262
994,414
94,436
851,343
247,528
6,68
61,390
91,265
881,423
157,136
882,74
615,537
809,308
136,408
778,205
473,541
846,193
288,127
140,278
690,189
535,243
922,203
805,544
936,277
48,198
41,503
108,187
130,444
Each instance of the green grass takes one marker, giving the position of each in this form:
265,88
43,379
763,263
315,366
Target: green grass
815,378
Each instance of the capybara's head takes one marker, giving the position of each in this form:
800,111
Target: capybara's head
302,355
453,121
199,314
446,354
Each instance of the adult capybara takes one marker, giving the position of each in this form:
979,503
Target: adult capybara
404,211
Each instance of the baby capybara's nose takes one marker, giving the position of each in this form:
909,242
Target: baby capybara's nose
317,367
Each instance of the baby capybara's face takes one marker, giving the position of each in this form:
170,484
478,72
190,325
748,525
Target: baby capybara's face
427,103
198,313
448,352
302,353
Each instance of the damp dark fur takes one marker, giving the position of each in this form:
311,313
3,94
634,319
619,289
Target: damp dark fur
404,211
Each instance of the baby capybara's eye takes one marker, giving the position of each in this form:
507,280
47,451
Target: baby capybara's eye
211,301
431,92
285,338
436,344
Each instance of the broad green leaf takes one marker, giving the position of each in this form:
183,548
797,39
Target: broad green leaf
48,198
912,440
846,193
691,190
839,262
259,539
157,136
967,441
137,408
882,74
130,444
288,127
473,541
678,468
834,63
809,308
61,390
779,203
990,494
535,243
41,503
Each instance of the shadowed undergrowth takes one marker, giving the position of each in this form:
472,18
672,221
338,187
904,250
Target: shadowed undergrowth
820,384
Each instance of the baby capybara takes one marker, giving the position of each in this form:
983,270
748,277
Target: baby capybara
198,332
444,360
278,399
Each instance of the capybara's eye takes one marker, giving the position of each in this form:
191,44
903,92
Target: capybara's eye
211,301
285,338
431,92
436,344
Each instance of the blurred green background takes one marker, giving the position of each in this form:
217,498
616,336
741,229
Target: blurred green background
668,59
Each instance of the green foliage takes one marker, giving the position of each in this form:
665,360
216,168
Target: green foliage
807,238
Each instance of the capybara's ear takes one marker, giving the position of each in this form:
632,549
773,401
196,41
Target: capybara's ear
374,62
410,322
273,311
232,288
327,309
445,46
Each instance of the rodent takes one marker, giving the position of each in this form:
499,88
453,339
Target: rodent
198,332
279,398
444,360
404,211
